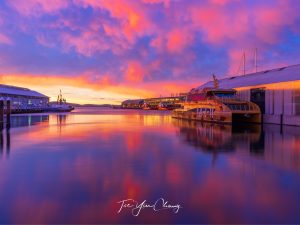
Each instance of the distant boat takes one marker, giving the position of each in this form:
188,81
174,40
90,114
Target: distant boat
162,106
145,106
60,106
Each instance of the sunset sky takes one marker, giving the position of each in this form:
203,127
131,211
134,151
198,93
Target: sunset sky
106,51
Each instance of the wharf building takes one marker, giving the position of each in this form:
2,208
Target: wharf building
154,103
23,98
275,91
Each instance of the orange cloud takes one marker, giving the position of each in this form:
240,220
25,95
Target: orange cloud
135,72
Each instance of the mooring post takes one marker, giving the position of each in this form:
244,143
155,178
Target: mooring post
1,111
1,139
7,138
281,123
8,111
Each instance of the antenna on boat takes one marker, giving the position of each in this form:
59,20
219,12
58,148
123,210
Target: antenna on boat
216,82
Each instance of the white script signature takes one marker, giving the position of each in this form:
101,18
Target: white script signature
158,205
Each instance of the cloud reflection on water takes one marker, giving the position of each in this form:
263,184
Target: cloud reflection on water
75,168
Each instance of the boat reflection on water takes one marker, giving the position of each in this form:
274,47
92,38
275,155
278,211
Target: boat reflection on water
272,143
221,138
212,137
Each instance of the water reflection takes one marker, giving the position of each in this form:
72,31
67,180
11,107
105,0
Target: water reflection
4,145
221,138
28,120
266,142
74,168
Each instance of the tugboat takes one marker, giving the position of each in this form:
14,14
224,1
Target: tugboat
217,105
60,106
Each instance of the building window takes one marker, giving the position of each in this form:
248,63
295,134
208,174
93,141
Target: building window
297,101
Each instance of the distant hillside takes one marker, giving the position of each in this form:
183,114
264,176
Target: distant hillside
95,105
87,105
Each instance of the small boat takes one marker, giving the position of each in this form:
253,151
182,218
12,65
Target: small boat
217,105
145,106
162,106
60,106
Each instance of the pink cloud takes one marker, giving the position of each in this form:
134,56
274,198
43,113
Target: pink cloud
223,2
218,24
174,41
178,39
4,39
132,16
37,7
158,43
42,40
270,21
87,43
166,3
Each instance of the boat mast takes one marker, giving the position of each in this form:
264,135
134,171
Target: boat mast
244,62
216,82
255,60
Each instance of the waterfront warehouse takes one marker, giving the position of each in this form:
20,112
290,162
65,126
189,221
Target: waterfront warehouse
23,98
132,104
276,92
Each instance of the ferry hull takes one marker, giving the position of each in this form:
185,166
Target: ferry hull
228,118
246,118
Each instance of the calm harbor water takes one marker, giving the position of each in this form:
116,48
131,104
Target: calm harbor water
76,167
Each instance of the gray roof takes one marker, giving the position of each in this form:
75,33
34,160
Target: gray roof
12,90
133,101
283,74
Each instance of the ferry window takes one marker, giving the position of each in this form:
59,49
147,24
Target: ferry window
225,95
297,101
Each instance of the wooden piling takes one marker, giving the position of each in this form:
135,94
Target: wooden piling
8,111
1,139
8,139
1,111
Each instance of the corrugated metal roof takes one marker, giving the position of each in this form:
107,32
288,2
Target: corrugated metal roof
283,74
12,90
